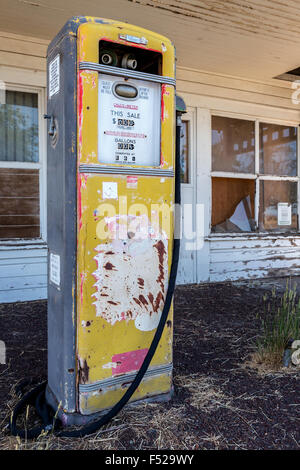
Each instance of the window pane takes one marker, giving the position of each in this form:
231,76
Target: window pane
19,203
233,205
272,216
233,145
278,150
184,152
19,140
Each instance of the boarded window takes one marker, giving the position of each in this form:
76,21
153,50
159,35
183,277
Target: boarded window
19,203
278,150
19,187
233,205
233,145
278,205
184,152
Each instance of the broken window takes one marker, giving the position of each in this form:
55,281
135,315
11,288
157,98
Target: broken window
233,205
233,145
265,199
278,150
184,152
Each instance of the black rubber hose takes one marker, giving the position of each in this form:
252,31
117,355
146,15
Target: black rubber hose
38,393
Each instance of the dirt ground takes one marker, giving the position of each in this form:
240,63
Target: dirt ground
220,400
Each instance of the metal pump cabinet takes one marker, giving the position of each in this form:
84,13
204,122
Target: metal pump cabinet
111,150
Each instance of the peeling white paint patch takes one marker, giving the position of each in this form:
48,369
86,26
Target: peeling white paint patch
131,279
109,365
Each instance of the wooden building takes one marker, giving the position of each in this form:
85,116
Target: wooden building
237,69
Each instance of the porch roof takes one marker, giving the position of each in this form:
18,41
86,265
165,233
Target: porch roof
256,39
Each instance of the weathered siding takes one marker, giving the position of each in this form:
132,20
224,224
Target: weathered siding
23,272
248,258
204,89
23,264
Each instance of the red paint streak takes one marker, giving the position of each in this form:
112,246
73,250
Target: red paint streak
79,181
162,103
79,202
80,112
128,361
162,111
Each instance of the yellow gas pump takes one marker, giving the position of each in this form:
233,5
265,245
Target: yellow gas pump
111,164
111,188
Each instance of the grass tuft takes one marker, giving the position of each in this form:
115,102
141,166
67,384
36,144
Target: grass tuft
280,323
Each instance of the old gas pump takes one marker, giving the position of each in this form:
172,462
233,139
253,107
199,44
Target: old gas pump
111,168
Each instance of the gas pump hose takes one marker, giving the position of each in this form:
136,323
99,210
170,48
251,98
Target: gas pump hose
36,396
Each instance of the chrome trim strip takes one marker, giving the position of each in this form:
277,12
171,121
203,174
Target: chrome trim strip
126,378
117,170
108,69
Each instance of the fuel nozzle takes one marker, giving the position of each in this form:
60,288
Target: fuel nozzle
129,62
109,58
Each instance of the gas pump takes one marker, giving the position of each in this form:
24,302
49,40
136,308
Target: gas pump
111,194
110,167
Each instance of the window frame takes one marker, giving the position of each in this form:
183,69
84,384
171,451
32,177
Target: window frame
189,118
256,175
41,165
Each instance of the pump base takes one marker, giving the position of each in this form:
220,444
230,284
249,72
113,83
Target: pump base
77,419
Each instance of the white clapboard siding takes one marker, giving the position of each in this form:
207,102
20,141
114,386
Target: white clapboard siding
23,273
23,265
203,88
235,259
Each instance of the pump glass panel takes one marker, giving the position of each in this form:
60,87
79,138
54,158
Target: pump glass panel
128,121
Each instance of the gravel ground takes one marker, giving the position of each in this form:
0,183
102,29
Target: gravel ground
222,399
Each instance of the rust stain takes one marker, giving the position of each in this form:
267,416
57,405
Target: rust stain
155,304
109,266
143,300
83,372
161,253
